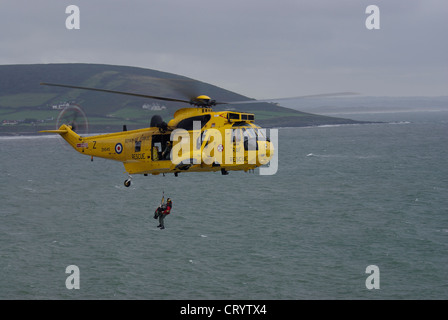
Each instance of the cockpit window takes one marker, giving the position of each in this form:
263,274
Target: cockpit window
250,135
249,132
261,133
236,135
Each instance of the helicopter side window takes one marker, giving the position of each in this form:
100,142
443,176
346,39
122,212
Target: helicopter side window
138,146
203,139
200,139
188,124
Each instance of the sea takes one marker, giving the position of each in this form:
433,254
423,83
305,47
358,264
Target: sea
354,212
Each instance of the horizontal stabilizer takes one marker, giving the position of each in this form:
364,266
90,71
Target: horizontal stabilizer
55,131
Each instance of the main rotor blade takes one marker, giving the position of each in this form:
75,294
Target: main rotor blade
113,91
336,94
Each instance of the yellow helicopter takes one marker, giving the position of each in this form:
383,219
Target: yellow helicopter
197,139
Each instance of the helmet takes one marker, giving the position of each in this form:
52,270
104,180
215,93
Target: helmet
168,200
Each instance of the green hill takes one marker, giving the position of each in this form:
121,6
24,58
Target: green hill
27,107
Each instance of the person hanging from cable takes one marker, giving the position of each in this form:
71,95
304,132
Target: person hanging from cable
166,211
162,211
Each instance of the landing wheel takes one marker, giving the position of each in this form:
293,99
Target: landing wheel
127,183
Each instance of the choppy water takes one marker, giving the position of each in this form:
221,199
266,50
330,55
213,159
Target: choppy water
344,198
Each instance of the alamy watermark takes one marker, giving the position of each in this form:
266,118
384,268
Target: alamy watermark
373,20
373,280
73,20
73,280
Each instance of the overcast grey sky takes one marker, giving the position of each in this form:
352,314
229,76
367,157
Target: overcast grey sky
258,48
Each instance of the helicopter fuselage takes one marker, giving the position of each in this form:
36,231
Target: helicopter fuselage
195,140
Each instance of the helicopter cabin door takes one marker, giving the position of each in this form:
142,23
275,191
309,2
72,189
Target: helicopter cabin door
161,147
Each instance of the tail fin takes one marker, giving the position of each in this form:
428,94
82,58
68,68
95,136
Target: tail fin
68,134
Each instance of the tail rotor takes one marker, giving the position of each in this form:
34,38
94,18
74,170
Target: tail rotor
74,116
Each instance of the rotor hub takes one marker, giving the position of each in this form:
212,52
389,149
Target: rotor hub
202,101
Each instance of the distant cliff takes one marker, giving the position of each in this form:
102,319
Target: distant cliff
26,106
